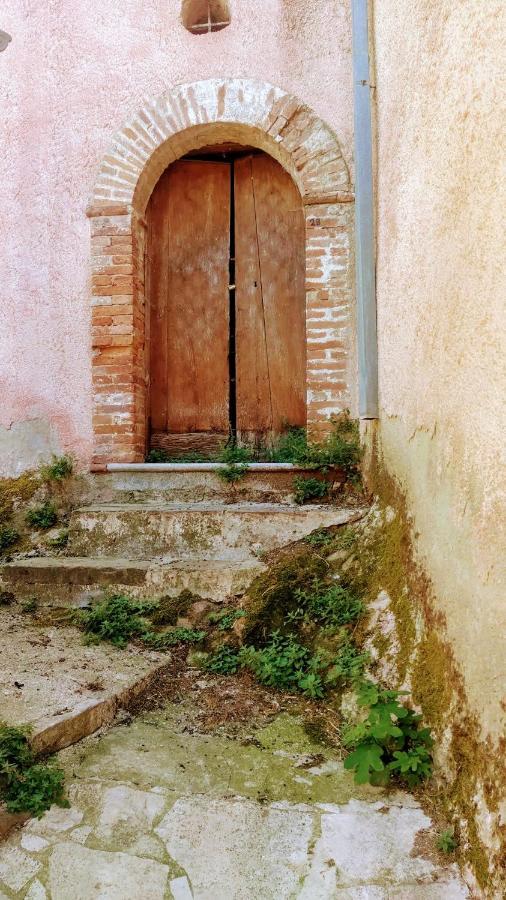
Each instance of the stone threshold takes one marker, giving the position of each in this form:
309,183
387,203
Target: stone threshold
204,467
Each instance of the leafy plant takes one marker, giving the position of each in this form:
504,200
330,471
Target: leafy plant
25,785
389,742
224,661
58,469
232,473
236,461
340,448
446,841
30,605
116,619
348,663
309,489
331,605
319,538
225,620
43,516
162,639
8,537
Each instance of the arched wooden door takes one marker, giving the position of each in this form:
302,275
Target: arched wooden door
227,306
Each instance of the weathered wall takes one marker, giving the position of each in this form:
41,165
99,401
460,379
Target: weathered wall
72,76
441,312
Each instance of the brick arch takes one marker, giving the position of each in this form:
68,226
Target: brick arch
185,118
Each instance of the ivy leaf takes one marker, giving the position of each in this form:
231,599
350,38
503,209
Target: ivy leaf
365,760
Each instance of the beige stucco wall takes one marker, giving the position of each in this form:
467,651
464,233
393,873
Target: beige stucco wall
73,75
441,312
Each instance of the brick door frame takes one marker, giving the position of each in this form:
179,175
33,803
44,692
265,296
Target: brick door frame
186,118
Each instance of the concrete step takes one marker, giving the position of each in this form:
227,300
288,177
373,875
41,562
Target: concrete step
186,482
211,530
75,581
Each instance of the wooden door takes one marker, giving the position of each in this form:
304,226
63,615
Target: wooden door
270,298
188,253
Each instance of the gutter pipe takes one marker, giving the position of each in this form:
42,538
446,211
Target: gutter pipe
364,217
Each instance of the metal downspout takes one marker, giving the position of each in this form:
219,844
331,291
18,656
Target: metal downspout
364,218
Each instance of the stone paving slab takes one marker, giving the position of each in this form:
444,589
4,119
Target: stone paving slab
65,690
160,812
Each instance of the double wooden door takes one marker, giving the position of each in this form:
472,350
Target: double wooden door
225,283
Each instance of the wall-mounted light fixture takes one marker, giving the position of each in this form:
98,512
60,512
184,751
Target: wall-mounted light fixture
5,40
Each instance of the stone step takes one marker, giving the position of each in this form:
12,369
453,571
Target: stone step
212,530
186,482
75,581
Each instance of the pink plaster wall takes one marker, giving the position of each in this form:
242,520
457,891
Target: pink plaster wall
73,74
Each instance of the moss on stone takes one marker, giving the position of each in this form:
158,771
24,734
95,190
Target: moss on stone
169,609
432,690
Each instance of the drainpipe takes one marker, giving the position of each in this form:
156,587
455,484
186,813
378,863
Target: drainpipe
364,218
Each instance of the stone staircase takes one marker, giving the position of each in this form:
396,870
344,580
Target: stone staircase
160,529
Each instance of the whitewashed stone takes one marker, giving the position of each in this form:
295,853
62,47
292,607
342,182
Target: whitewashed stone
237,848
16,868
80,835
79,872
36,891
125,806
33,843
56,820
181,889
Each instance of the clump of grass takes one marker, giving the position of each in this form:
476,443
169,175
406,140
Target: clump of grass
43,516
25,784
60,468
8,537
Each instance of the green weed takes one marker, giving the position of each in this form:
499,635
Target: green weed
43,516
225,620
446,841
330,605
58,469
309,489
162,639
225,661
8,537
25,785
389,742
319,538
117,619
30,606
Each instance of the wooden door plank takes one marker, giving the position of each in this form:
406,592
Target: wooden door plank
195,330
254,412
271,330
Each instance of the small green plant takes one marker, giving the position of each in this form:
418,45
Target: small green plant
309,489
285,664
389,742
319,538
58,469
348,664
116,619
30,606
8,537
225,620
330,605
224,661
446,841
25,785
160,640
158,456
236,461
60,541
43,516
